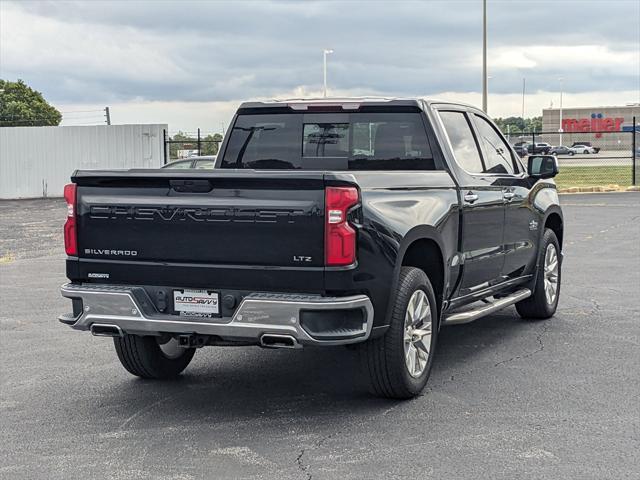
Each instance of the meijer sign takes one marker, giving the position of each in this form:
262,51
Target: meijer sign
597,123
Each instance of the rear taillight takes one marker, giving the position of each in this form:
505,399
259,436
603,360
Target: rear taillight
340,237
70,232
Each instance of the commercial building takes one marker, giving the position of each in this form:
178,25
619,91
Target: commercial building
589,123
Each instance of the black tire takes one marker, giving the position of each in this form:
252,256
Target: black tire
383,359
143,357
571,154
537,306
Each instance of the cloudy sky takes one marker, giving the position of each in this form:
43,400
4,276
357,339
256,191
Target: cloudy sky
189,64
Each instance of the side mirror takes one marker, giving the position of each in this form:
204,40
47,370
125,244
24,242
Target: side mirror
542,166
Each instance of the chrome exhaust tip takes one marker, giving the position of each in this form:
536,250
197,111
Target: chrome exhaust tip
272,340
104,330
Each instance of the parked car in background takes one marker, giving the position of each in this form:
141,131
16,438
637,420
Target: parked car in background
586,144
205,162
539,148
521,150
560,150
582,150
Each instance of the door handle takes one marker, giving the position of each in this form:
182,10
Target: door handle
470,197
508,195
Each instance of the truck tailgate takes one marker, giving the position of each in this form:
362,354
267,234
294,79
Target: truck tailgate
231,218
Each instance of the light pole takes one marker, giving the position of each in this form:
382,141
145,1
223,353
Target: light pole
484,56
560,129
486,109
524,84
325,52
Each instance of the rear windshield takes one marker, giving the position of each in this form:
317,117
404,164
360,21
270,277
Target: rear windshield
333,141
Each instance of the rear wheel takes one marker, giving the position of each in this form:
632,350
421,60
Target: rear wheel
544,300
152,357
399,364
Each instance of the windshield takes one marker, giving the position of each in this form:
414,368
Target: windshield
335,141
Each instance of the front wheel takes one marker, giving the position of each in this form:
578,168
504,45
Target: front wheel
152,357
543,301
399,363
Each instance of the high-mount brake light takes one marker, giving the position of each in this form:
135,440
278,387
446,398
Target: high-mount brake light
70,230
340,237
324,106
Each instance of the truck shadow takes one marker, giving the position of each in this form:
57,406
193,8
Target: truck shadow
244,384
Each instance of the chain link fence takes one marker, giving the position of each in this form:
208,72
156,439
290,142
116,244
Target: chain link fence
182,145
586,159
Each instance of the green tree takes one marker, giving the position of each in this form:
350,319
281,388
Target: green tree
20,105
534,124
518,125
211,143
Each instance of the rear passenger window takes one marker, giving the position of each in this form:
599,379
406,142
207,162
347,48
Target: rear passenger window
497,154
462,141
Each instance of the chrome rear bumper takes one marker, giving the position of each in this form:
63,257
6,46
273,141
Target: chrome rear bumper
258,314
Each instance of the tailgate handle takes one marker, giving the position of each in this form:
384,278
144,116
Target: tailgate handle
192,186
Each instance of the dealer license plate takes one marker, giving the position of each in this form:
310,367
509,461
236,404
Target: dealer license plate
196,303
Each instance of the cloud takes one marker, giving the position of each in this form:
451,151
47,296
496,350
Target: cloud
213,117
208,53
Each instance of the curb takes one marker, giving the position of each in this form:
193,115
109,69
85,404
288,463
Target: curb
600,188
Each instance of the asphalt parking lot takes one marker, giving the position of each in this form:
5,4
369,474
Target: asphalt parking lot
507,398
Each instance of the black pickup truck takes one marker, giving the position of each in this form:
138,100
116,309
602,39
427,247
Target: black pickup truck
325,222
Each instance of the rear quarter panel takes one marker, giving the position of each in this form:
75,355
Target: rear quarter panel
398,208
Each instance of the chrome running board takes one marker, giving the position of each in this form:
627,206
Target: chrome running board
486,309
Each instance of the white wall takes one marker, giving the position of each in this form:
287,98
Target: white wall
38,161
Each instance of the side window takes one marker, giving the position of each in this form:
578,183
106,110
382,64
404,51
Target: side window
183,164
462,141
205,164
497,155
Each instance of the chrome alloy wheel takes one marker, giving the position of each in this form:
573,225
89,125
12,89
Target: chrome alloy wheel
551,269
417,333
171,349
